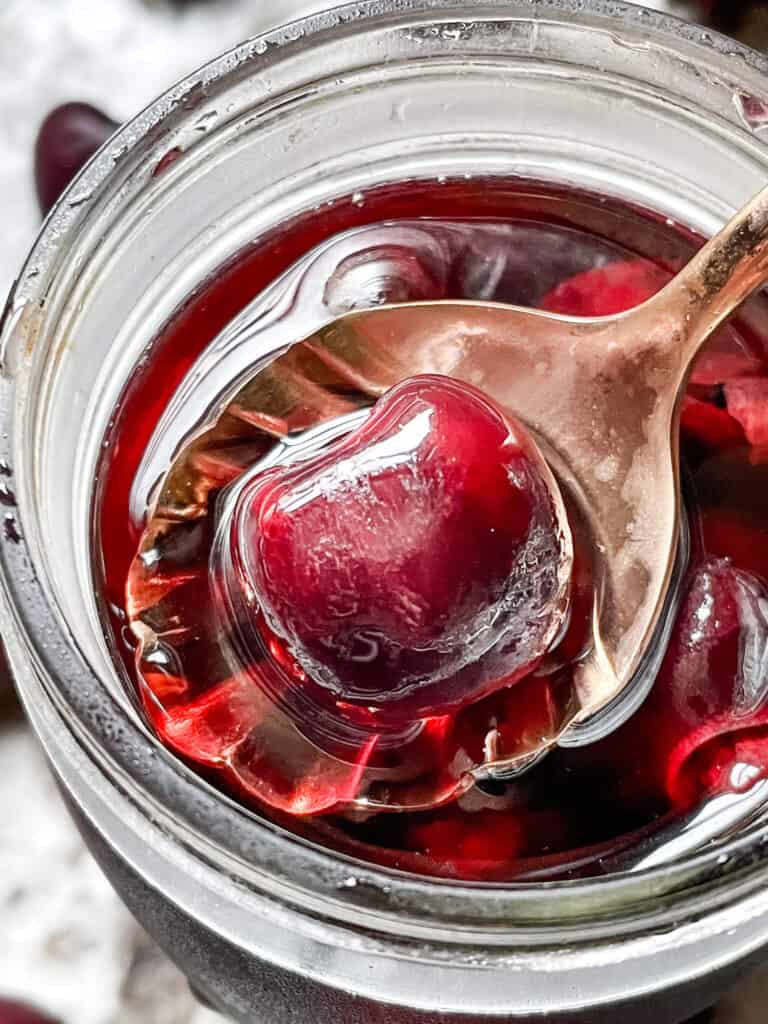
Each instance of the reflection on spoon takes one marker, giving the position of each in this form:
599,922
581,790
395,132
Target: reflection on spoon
602,394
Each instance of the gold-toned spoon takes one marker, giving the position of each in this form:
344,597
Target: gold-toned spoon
601,395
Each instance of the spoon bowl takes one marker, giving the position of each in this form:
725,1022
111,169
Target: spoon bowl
600,395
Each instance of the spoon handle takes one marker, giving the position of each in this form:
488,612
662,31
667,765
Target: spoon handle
719,278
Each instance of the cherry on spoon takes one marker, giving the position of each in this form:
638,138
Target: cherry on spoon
68,137
602,395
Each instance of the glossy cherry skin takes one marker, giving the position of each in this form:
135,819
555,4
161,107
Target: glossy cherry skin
417,565
68,138
708,710
605,290
714,684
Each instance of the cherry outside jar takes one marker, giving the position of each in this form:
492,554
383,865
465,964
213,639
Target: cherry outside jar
601,96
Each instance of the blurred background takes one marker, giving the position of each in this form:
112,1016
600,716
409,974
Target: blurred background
67,946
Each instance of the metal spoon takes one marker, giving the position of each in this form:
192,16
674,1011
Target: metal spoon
602,396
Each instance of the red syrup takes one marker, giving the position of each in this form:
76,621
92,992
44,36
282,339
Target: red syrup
577,810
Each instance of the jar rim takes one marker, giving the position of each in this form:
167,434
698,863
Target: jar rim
177,796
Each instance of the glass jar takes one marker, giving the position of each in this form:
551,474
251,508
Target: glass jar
604,96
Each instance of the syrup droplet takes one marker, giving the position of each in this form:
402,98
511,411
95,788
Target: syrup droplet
752,111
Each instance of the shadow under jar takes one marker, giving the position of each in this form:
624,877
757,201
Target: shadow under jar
269,927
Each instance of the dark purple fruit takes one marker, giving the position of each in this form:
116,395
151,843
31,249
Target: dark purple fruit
68,138
15,1013
7,693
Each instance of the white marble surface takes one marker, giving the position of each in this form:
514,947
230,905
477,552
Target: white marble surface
65,942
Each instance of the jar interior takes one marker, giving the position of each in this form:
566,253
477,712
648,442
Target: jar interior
518,242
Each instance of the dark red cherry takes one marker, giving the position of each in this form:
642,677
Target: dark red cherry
7,693
416,565
733,17
605,290
714,682
745,545
708,710
710,425
68,138
469,845
16,1013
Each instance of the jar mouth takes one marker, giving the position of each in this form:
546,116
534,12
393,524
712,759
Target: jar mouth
68,689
